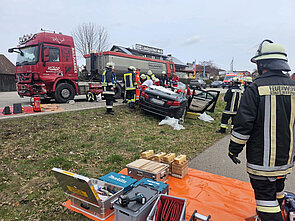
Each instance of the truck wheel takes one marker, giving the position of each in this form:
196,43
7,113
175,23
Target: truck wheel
90,97
64,92
118,91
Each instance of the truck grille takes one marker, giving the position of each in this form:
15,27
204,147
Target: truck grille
24,77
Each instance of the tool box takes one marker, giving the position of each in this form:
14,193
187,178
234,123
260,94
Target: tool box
149,169
163,188
136,211
91,196
168,208
126,182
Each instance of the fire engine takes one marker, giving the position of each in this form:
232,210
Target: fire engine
46,66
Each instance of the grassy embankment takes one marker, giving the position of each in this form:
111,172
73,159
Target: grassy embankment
88,143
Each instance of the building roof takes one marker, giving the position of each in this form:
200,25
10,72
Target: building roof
6,66
177,61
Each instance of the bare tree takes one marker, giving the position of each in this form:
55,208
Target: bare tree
89,36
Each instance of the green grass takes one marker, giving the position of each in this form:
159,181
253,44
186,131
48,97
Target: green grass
85,142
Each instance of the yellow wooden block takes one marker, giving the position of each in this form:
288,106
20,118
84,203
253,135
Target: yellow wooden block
180,159
159,156
169,157
147,154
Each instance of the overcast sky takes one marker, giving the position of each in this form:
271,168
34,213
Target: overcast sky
188,29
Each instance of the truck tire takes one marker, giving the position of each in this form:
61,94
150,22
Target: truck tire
118,91
64,92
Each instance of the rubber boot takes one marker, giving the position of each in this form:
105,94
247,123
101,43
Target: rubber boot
221,130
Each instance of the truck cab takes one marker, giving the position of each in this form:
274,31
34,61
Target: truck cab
46,66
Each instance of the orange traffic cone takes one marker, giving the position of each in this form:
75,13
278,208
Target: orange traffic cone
37,104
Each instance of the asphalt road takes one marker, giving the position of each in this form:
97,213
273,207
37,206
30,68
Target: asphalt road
215,160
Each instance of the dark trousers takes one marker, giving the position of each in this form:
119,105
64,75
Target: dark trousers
269,197
130,97
109,102
225,118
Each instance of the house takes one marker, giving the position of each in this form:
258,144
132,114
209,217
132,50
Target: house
7,74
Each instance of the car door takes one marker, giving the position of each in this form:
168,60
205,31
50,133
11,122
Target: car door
202,101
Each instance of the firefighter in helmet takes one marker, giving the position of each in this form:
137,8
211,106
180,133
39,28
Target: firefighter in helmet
108,83
232,98
130,86
247,82
164,79
149,75
265,124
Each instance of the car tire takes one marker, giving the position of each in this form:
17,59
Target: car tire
180,115
118,91
64,92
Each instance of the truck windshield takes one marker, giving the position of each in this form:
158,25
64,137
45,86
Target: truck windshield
30,56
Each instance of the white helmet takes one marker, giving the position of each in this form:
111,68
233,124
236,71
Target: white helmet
248,79
149,72
236,80
132,68
110,65
142,76
163,72
155,79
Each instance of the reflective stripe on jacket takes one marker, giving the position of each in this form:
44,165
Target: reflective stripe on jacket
108,78
266,123
232,97
130,81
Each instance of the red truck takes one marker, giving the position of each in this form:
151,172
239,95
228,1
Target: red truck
46,66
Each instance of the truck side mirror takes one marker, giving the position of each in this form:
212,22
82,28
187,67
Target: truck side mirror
46,54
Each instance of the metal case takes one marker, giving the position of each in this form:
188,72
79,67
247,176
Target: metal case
84,194
149,169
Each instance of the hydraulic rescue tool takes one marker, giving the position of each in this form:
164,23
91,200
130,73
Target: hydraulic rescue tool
124,200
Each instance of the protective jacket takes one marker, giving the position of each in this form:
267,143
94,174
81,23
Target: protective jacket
108,81
174,80
232,98
130,81
265,122
164,81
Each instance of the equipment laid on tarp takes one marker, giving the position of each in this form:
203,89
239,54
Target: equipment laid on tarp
136,204
221,197
168,208
197,216
148,169
157,185
92,196
120,180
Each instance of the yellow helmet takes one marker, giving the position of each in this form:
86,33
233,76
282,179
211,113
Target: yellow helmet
269,50
248,79
236,80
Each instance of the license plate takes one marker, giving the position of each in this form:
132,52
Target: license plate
156,101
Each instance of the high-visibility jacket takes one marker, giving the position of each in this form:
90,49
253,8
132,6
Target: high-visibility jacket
232,98
174,80
108,81
138,82
130,81
266,123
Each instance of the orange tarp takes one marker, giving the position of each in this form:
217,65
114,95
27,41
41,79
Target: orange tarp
221,197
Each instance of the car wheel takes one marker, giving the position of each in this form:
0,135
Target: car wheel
64,92
118,91
181,114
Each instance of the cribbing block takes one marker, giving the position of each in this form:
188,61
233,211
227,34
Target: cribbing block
147,154
168,158
180,159
159,156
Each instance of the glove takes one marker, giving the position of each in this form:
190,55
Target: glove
233,157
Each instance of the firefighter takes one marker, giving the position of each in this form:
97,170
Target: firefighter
138,82
130,86
108,83
265,123
149,75
142,78
146,84
156,81
247,82
232,98
164,79
174,80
